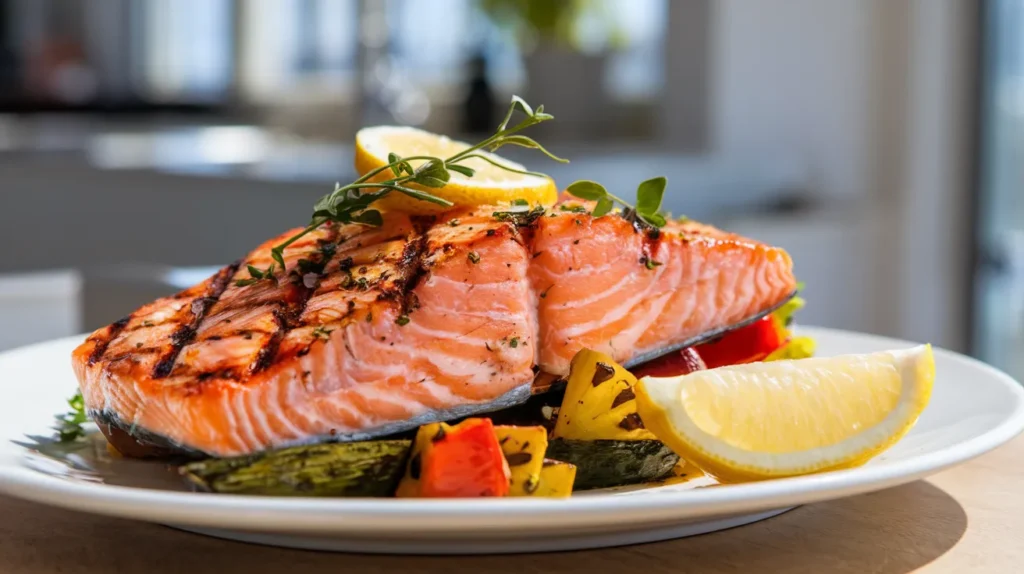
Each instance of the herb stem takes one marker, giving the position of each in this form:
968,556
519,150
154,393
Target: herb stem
347,204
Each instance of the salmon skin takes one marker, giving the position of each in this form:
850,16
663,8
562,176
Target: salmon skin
371,331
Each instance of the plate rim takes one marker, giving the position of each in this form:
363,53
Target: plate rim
377,516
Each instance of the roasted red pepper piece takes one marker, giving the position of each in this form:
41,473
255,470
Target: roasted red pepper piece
679,363
466,462
744,345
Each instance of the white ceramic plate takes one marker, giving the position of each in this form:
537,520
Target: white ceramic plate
974,408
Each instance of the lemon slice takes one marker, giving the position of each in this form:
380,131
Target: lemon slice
490,185
790,417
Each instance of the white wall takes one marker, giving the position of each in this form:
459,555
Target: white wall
874,96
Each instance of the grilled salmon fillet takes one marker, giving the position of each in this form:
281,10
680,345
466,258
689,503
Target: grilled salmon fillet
371,331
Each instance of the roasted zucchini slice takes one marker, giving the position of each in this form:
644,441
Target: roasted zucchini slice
370,468
607,463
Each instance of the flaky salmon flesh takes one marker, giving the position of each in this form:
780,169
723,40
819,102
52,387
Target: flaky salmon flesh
375,330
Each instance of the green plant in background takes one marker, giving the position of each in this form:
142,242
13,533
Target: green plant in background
555,21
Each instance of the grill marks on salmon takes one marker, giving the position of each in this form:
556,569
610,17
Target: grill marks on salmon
375,330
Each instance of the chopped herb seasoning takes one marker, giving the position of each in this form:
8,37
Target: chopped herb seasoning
651,264
513,342
306,266
322,332
148,323
474,257
453,223
572,208
491,233
138,345
402,320
369,317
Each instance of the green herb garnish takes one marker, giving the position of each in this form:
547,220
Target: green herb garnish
322,332
648,200
402,320
351,203
474,257
256,275
69,425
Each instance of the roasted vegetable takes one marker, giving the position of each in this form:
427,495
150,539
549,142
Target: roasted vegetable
599,402
767,339
410,485
463,460
466,462
744,345
793,347
682,362
371,468
606,463
524,449
556,479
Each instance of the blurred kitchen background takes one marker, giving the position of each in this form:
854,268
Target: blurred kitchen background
879,141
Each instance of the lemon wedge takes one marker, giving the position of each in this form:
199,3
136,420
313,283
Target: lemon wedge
489,185
789,417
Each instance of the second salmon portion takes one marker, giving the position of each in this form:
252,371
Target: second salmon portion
370,331
634,293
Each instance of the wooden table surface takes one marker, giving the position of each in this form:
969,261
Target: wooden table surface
967,519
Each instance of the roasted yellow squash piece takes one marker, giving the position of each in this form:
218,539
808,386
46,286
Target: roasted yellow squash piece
599,401
410,486
524,449
556,479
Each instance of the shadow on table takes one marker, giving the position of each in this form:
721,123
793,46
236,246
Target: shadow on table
893,531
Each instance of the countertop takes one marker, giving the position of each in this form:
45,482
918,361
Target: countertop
966,519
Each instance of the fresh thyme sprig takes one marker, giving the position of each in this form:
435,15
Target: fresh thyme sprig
648,200
69,425
351,203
